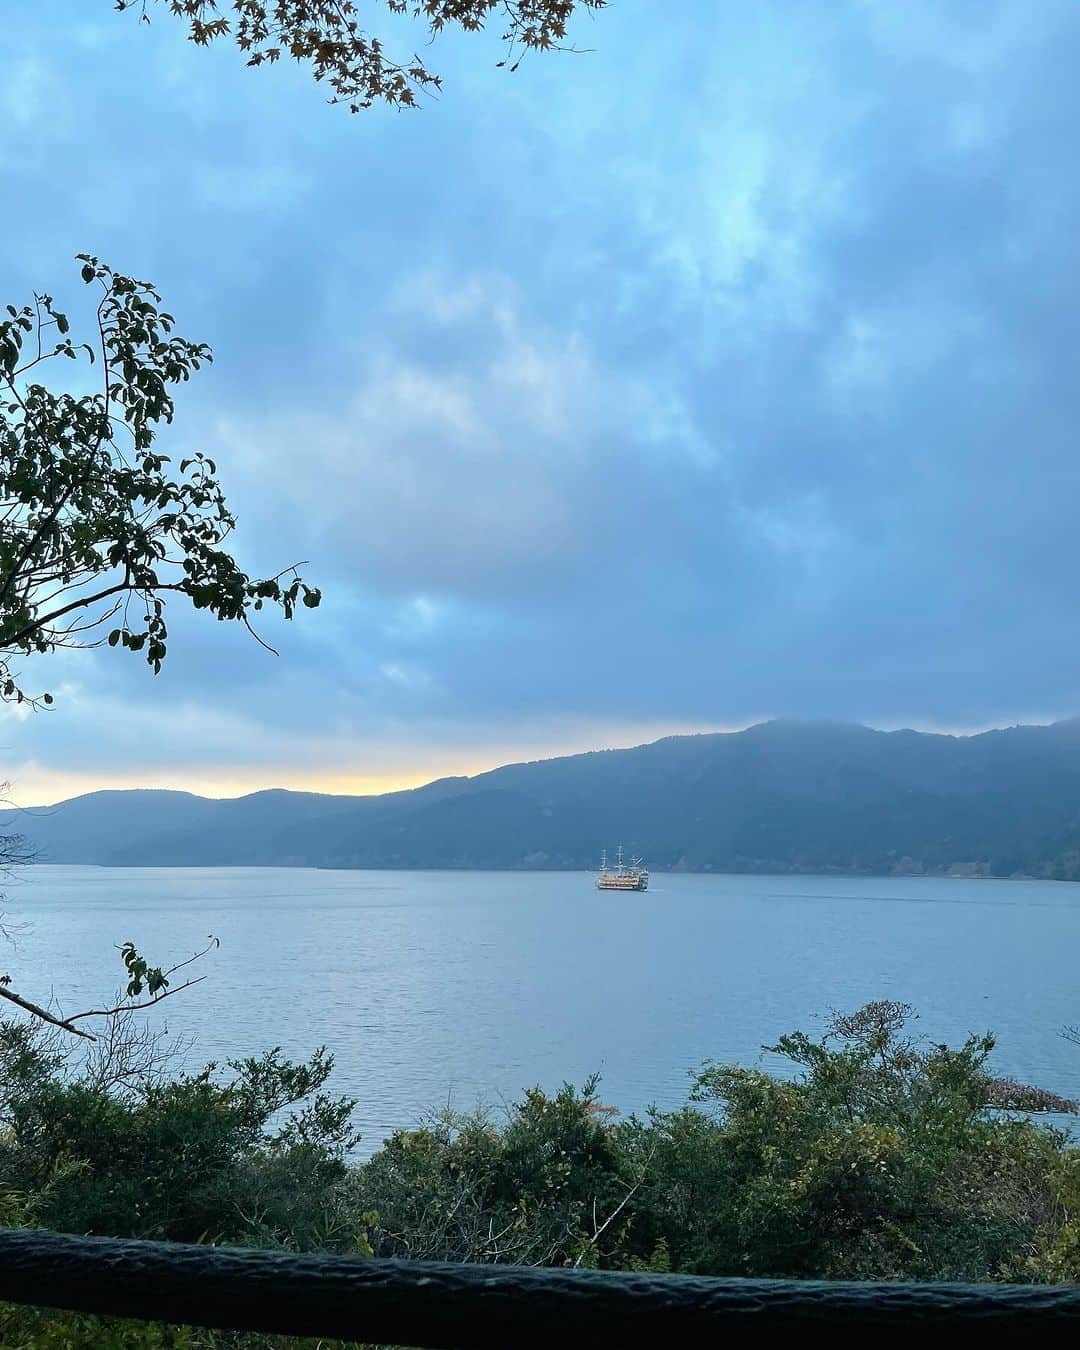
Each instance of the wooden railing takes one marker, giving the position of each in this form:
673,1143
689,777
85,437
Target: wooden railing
458,1306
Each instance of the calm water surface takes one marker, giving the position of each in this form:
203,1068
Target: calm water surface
473,985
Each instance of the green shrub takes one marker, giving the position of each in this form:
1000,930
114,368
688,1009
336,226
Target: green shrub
192,1159
873,1157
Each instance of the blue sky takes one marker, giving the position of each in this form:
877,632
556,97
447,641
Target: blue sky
726,370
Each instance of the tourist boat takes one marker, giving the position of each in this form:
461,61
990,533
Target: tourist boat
631,876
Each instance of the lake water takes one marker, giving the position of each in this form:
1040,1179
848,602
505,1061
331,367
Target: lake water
473,985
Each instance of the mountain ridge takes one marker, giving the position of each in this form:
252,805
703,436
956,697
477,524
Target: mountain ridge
779,796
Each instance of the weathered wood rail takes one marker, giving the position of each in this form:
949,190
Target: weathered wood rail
452,1307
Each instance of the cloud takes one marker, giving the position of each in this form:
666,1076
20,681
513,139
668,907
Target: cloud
473,452
725,371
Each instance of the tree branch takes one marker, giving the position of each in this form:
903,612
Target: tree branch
43,1013
129,1007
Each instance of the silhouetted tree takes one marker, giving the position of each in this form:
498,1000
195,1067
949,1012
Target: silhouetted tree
95,526
327,35
98,533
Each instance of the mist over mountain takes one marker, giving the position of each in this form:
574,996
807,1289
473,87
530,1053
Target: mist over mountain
777,797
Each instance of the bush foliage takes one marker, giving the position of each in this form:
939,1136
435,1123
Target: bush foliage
875,1156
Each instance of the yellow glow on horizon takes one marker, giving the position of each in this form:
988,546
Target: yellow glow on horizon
406,765
34,785
37,787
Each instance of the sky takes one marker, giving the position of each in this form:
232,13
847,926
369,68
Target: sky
724,368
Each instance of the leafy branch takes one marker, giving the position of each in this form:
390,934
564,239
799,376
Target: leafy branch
327,36
141,976
91,517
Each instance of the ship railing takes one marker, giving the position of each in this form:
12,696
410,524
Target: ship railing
456,1307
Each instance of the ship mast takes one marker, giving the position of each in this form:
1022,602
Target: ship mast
621,876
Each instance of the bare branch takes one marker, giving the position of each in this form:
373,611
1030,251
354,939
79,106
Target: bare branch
132,1007
42,1013
592,1241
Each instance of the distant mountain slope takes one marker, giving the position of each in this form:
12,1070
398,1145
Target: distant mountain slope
781,796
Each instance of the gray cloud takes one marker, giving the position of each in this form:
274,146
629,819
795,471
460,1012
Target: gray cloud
745,345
